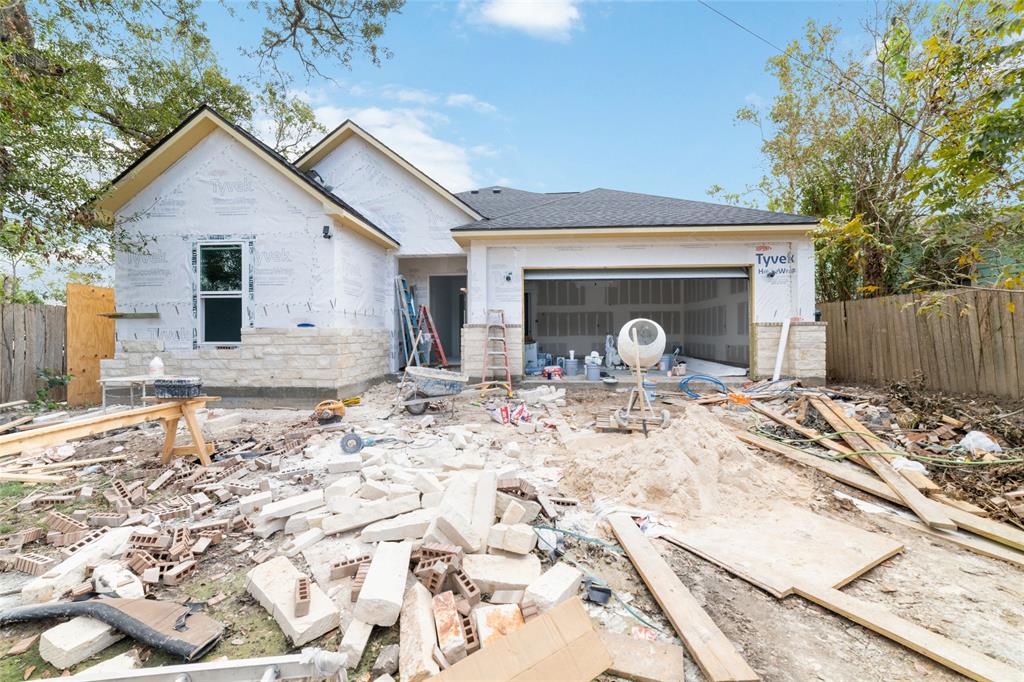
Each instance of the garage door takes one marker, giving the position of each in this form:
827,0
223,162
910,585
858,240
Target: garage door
637,273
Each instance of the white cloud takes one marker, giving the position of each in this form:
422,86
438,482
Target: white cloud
408,95
755,100
483,150
462,99
410,132
549,19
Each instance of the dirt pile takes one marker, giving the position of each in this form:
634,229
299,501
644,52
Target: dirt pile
695,466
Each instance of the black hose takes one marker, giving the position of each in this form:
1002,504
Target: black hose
114,617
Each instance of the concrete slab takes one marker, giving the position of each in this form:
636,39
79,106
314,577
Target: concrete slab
417,636
451,638
272,584
410,526
71,642
457,527
353,643
380,600
558,583
292,505
368,513
491,572
484,500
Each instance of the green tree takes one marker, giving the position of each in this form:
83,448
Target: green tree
87,86
908,150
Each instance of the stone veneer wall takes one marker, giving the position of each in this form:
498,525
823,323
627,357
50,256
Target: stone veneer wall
270,363
805,351
473,348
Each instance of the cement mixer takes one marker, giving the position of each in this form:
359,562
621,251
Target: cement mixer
641,344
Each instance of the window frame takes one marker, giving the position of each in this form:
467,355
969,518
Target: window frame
202,295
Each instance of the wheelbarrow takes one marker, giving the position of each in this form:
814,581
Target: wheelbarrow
430,385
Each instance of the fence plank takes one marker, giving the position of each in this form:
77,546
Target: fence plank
885,339
31,338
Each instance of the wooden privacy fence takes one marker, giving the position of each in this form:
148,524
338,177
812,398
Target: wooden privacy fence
972,343
31,338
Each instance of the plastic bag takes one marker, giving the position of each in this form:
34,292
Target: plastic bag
977,440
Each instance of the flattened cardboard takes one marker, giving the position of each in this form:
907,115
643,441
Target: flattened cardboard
558,645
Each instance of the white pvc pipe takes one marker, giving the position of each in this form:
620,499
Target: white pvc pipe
783,337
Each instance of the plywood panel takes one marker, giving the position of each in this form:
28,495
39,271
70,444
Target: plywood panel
90,338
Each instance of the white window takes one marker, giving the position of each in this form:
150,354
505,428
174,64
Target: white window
220,293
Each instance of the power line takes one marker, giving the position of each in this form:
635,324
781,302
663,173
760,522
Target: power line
881,107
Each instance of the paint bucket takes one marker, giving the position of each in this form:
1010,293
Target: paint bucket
666,363
593,372
572,367
649,390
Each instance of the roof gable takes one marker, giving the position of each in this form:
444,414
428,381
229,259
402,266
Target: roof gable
348,129
197,127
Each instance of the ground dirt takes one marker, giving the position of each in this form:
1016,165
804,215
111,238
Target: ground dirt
695,467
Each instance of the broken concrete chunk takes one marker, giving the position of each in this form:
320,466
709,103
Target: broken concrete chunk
109,668
380,600
353,643
513,513
369,512
496,535
272,584
70,643
484,501
504,500
458,529
292,505
427,482
557,584
410,526
519,539
491,572
373,490
451,638
495,621
341,464
386,663
251,504
417,636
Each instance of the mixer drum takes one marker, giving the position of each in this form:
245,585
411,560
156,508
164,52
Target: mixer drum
650,339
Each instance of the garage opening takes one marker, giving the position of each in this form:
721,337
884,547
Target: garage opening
705,313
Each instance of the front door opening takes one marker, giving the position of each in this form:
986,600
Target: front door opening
448,310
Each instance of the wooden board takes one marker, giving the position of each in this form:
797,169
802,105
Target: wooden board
940,649
710,648
642,660
31,338
979,546
90,339
783,545
927,510
993,530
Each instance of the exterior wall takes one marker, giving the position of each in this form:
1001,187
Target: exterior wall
781,284
473,349
286,362
804,357
392,197
220,191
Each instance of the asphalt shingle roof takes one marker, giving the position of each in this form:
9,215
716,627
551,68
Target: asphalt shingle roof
518,210
496,201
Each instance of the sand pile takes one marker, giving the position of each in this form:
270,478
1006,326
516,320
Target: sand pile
695,466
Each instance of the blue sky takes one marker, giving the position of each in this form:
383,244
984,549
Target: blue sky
564,95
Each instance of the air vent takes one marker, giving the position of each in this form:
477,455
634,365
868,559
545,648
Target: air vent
496,191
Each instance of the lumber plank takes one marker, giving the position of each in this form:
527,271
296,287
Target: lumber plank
55,466
7,426
13,403
56,434
978,545
927,510
948,652
710,648
993,530
30,478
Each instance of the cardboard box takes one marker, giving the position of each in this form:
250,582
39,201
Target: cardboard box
559,645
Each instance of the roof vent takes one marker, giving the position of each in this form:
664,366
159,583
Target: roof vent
496,191
474,191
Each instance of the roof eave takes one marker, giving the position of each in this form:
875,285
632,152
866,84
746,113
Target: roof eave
464,235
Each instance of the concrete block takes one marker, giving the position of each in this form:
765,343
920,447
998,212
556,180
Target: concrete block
558,583
496,535
451,638
484,500
427,482
70,643
504,500
519,539
302,541
353,643
417,636
368,513
507,597
373,472
267,528
109,668
222,424
346,486
386,663
292,505
401,490
432,499
456,527
373,490
492,572
380,600
272,584
254,503
495,621
341,464
344,505
513,513
303,521
434,535
411,526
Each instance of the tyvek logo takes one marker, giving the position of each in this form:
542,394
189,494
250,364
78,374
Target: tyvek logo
775,267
